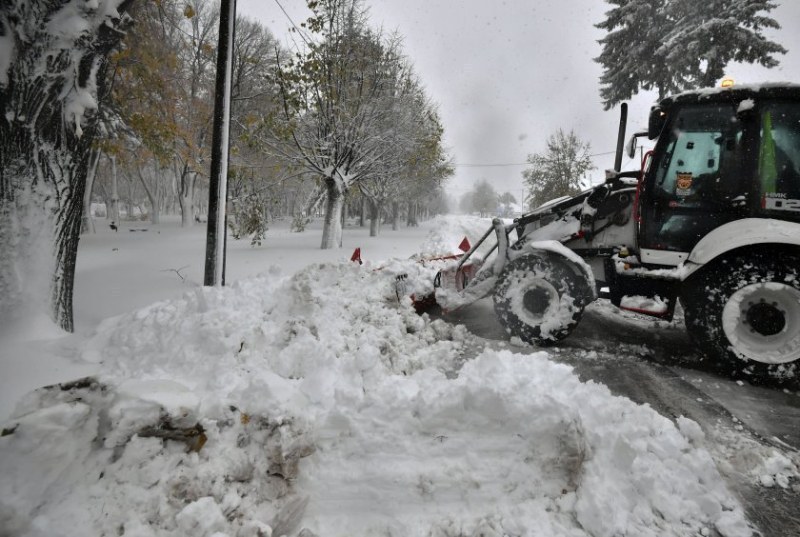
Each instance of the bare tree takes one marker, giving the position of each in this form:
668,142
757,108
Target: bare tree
164,91
333,102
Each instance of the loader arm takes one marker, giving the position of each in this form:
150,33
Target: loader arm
462,291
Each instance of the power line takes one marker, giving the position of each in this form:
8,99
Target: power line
504,164
491,165
302,36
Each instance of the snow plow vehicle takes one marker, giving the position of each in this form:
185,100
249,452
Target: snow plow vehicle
711,219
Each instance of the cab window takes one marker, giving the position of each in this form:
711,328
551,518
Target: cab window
702,151
779,157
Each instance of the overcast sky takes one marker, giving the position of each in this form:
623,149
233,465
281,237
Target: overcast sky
508,73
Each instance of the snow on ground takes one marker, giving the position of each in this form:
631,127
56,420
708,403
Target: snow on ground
142,263
740,454
450,230
318,403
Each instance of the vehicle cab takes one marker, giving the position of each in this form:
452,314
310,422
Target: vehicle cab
722,155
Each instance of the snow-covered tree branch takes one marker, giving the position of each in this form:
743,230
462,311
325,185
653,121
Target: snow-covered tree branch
348,112
53,58
681,44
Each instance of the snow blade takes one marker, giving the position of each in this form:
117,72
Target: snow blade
356,257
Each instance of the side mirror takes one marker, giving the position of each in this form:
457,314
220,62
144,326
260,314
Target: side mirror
630,148
658,118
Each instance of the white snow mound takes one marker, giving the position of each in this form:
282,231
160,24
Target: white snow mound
447,232
322,403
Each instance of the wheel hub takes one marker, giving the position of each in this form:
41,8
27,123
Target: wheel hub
536,301
762,322
765,318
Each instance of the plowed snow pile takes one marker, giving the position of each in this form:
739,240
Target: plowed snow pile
448,231
320,405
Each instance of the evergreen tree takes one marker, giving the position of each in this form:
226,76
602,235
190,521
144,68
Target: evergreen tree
680,44
630,56
710,34
559,170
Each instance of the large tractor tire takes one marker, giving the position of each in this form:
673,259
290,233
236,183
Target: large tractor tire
540,297
743,311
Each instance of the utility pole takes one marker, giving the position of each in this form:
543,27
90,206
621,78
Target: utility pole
218,182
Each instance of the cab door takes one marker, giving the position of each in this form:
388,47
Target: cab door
778,177
697,181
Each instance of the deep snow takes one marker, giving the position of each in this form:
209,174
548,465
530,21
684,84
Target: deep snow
329,407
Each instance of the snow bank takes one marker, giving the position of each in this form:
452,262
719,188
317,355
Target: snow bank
322,402
515,445
255,365
759,463
340,319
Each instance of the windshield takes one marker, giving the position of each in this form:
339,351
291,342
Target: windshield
700,153
698,176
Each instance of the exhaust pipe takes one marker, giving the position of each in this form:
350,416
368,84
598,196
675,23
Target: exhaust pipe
623,120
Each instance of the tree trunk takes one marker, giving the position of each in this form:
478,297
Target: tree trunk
157,203
186,197
154,195
412,214
332,226
293,204
87,225
114,207
185,202
395,214
45,148
362,219
375,218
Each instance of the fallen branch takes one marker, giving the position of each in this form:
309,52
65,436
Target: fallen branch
178,272
194,437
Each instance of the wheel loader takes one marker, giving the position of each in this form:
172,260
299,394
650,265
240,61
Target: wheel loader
711,219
